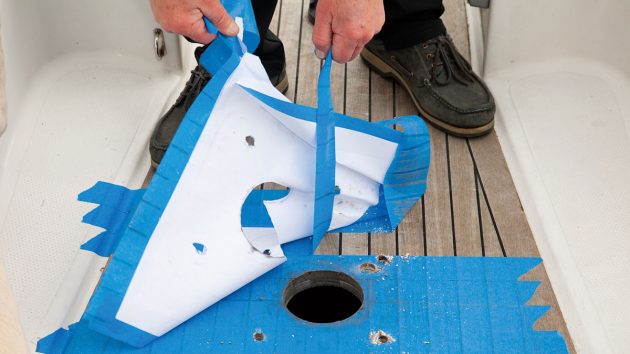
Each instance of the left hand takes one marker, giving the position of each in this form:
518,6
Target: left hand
345,26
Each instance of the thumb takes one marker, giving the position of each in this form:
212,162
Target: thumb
215,12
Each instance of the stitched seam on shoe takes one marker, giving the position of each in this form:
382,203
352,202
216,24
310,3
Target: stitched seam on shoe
483,108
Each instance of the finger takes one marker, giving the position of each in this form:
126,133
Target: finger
342,48
215,12
322,30
356,52
199,33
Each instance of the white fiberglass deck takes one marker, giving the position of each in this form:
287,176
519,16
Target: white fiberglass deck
564,123
84,90
91,120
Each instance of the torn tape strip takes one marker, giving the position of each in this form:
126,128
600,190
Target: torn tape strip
424,304
325,156
113,214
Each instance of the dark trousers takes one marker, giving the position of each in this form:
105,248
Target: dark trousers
411,22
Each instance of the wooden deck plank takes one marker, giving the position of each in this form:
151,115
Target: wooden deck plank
308,65
437,200
465,206
274,25
492,246
410,234
454,19
502,197
289,31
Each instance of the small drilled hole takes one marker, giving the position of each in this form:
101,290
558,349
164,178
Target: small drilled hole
323,296
259,336
379,337
384,259
250,140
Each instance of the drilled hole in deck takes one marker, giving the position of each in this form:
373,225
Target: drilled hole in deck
323,296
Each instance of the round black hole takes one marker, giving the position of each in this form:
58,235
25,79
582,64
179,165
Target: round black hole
323,296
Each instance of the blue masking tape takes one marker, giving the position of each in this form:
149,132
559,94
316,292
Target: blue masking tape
254,213
101,311
244,10
116,206
220,59
324,156
426,304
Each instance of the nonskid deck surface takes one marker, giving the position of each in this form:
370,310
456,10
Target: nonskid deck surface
85,117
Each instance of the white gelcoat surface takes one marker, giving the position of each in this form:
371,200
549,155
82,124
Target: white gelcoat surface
84,91
564,123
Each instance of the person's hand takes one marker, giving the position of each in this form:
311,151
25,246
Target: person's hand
185,17
346,26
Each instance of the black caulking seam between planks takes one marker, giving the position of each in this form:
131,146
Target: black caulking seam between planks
450,194
424,227
279,8
485,197
483,247
299,48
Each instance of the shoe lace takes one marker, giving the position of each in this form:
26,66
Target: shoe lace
199,76
446,60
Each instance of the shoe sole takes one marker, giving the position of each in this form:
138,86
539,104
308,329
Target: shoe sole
282,86
385,70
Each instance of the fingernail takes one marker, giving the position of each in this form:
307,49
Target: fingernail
320,54
233,29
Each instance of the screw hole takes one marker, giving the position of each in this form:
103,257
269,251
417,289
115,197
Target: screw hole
259,336
379,337
369,267
250,140
384,259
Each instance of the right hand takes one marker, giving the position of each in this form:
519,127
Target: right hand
185,17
